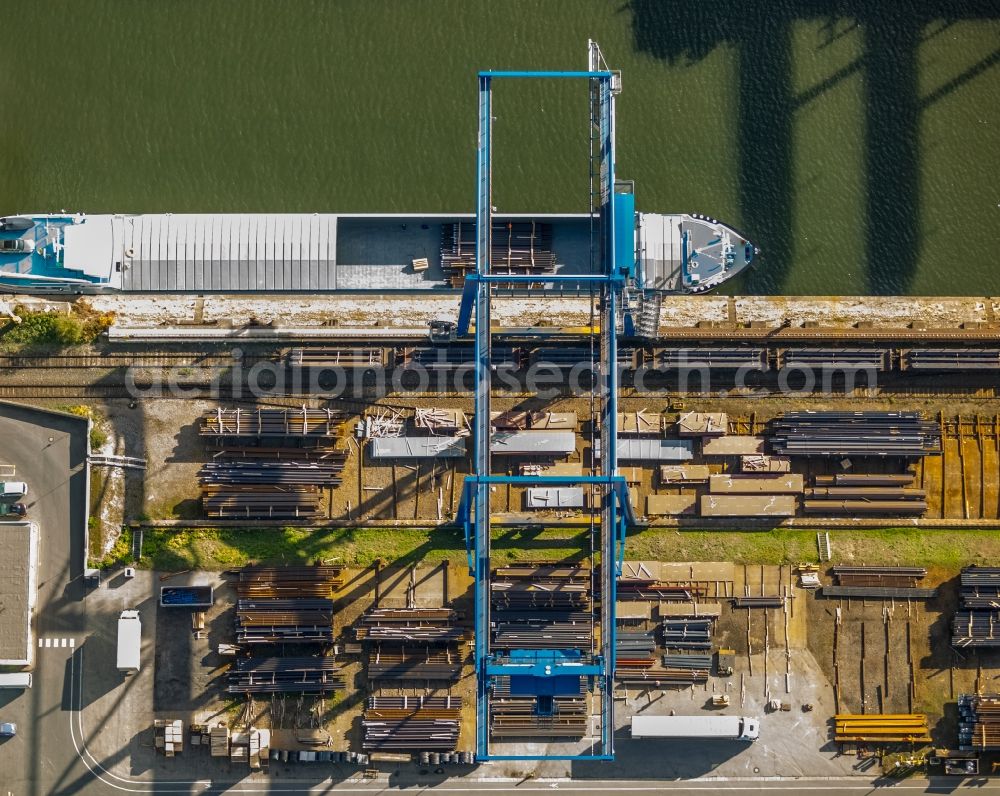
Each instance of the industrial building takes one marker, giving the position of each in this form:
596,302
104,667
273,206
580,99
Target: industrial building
18,586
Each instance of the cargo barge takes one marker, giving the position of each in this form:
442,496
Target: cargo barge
328,253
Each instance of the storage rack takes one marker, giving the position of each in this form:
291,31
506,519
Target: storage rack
977,622
284,675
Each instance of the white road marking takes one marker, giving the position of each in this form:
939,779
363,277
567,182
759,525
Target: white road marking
48,643
40,642
63,642
72,642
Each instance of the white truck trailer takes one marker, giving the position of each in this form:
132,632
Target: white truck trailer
129,642
723,728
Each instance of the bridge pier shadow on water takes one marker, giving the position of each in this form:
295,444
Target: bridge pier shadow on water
891,32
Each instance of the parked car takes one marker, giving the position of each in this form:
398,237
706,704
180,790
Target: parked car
8,729
12,510
12,490
16,246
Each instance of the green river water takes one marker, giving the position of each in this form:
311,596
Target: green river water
858,143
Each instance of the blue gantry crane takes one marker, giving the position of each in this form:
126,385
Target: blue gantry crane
549,673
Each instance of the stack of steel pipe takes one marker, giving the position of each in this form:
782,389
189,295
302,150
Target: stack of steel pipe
284,675
401,625
301,422
977,623
810,433
304,581
260,501
763,601
864,479
979,722
276,621
401,723
687,633
980,587
401,662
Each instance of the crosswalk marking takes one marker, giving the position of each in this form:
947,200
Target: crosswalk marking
55,643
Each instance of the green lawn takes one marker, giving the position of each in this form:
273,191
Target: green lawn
223,548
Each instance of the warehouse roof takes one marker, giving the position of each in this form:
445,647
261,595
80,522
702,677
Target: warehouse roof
537,443
19,552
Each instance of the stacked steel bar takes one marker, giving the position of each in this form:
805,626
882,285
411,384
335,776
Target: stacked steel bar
979,722
541,607
895,577
865,494
687,633
275,621
284,675
324,474
881,728
810,433
413,662
400,723
839,358
269,479
635,589
980,587
261,501
634,653
272,422
977,622
260,581
518,247
427,625
518,717
879,592
717,357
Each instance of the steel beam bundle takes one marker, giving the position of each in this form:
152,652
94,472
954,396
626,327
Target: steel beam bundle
681,661
881,728
408,616
284,675
260,501
302,422
403,625
261,581
979,722
811,433
687,633
980,587
415,663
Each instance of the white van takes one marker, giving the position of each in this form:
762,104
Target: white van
11,490
15,680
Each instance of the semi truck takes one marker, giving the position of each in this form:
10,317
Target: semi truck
723,728
129,642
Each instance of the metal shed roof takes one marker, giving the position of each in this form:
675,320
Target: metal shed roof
558,443
417,447
655,450
547,497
